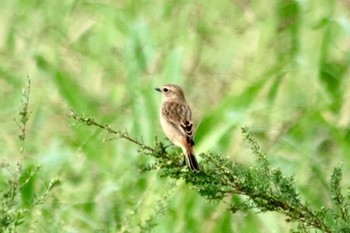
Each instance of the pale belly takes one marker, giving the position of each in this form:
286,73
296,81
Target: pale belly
171,133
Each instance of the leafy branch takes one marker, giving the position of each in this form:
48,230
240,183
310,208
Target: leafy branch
259,188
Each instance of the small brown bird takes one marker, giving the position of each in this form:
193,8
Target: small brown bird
176,121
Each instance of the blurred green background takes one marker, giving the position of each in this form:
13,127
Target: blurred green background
279,67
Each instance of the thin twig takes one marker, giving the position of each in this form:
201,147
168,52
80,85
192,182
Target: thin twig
124,135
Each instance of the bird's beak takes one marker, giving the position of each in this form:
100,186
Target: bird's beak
158,89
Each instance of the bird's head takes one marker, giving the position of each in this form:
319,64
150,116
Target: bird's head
171,91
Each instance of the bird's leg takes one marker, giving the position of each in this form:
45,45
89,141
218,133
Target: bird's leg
166,146
169,145
184,162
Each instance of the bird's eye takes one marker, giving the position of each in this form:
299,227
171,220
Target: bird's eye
165,89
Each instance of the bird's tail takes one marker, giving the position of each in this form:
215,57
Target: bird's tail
190,158
192,162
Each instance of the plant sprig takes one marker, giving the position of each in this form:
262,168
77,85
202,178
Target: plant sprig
24,114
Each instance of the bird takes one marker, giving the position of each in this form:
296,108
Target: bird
176,121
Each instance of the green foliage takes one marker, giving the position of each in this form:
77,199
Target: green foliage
11,214
13,207
341,205
13,211
280,68
18,199
259,187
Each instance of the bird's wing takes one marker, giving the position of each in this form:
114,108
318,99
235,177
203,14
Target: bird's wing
180,116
